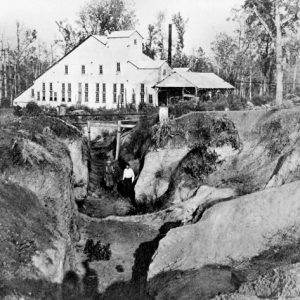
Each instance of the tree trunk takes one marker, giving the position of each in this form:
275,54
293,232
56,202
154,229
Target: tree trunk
250,86
279,57
295,76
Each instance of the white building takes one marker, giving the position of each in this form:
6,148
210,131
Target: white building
100,72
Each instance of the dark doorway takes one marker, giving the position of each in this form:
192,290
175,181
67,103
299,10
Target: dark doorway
162,98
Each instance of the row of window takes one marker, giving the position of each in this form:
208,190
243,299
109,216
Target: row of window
100,69
116,97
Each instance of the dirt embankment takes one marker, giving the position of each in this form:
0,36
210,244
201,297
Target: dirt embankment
37,163
38,178
266,169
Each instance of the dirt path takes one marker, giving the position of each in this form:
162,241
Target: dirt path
132,246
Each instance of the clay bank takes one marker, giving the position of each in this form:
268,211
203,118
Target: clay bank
215,213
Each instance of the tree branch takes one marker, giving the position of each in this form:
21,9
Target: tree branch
263,22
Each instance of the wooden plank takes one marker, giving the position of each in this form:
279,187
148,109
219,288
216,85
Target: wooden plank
118,140
128,125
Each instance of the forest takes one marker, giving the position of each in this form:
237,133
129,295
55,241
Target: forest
260,58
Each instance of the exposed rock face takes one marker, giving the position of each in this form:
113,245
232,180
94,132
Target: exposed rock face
155,177
228,234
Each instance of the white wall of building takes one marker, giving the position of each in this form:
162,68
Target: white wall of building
91,54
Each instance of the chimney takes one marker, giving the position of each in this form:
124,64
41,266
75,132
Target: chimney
170,46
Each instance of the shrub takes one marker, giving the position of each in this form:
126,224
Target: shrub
207,132
98,251
261,100
180,109
277,138
236,103
18,111
32,109
36,125
201,162
221,104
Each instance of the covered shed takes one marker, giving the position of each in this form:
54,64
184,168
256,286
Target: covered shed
186,84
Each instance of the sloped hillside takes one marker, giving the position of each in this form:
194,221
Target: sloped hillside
254,149
220,250
26,228
42,163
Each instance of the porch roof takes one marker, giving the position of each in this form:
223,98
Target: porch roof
202,81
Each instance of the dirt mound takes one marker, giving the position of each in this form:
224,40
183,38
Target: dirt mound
25,229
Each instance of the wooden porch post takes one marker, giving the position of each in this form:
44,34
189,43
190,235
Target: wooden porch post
118,139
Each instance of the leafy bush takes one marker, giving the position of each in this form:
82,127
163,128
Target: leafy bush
147,109
237,103
51,111
221,104
261,100
205,133
201,162
180,109
98,251
276,136
33,109
36,125
18,111
213,131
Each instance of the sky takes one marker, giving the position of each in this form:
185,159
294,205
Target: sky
206,18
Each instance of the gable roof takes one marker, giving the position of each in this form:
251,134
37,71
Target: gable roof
101,38
202,81
180,70
123,34
97,38
145,62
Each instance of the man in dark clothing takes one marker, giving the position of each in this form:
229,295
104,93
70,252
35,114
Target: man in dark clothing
109,175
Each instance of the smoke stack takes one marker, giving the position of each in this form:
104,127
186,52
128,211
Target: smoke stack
170,46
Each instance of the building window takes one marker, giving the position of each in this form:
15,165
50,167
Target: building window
164,72
66,69
86,92
83,69
63,92
69,92
97,92
142,92
115,93
79,92
122,92
50,91
32,93
103,92
38,96
44,91
100,69
150,99
118,67
135,41
55,96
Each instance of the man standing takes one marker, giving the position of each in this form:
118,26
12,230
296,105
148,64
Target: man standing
109,175
128,178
